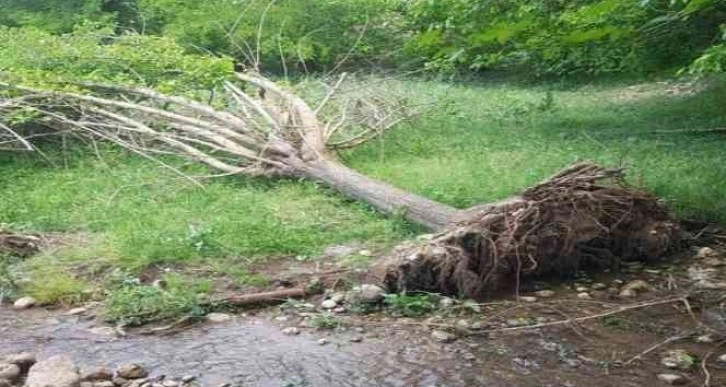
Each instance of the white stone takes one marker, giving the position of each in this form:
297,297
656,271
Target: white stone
545,293
581,289
705,252
672,379
24,303
328,304
76,311
218,317
528,299
365,294
584,296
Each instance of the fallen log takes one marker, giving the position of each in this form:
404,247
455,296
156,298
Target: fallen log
265,298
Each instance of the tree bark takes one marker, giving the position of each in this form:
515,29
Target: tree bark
382,196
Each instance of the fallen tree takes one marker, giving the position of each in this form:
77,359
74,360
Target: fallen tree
583,216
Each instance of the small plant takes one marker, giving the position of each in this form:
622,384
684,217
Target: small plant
8,277
410,305
136,304
325,321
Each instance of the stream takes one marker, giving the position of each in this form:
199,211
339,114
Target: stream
244,352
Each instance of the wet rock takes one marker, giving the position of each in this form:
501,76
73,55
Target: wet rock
24,303
76,311
599,286
584,296
679,359
443,336
528,299
705,252
119,381
9,372
218,317
291,331
132,371
98,374
24,360
56,371
637,286
672,379
365,294
328,304
545,293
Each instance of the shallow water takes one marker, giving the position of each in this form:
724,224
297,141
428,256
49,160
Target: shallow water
244,352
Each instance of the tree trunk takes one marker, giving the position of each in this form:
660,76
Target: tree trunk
382,196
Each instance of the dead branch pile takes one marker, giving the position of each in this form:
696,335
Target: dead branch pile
582,217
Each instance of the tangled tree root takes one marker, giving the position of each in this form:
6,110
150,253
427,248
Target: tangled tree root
581,218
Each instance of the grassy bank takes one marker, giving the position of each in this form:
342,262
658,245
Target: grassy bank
480,142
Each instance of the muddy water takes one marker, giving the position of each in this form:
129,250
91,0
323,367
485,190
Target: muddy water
244,352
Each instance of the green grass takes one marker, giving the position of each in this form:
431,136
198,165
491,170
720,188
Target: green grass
481,142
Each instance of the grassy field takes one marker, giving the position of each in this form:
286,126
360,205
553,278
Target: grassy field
481,142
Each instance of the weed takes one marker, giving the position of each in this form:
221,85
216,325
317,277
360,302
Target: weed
8,276
325,321
410,305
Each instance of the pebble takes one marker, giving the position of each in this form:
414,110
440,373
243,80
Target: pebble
446,302
599,286
705,252
24,303
581,289
340,309
545,293
627,293
132,371
584,296
10,372
365,294
706,339
366,253
672,379
637,286
329,304
443,336
323,341
76,311
679,359
99,373
188,378
23,360
337,297
218,317
291,331
104,383
528,299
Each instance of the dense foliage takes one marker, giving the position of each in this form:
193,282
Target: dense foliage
539,37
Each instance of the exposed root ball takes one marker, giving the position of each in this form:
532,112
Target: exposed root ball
582,217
